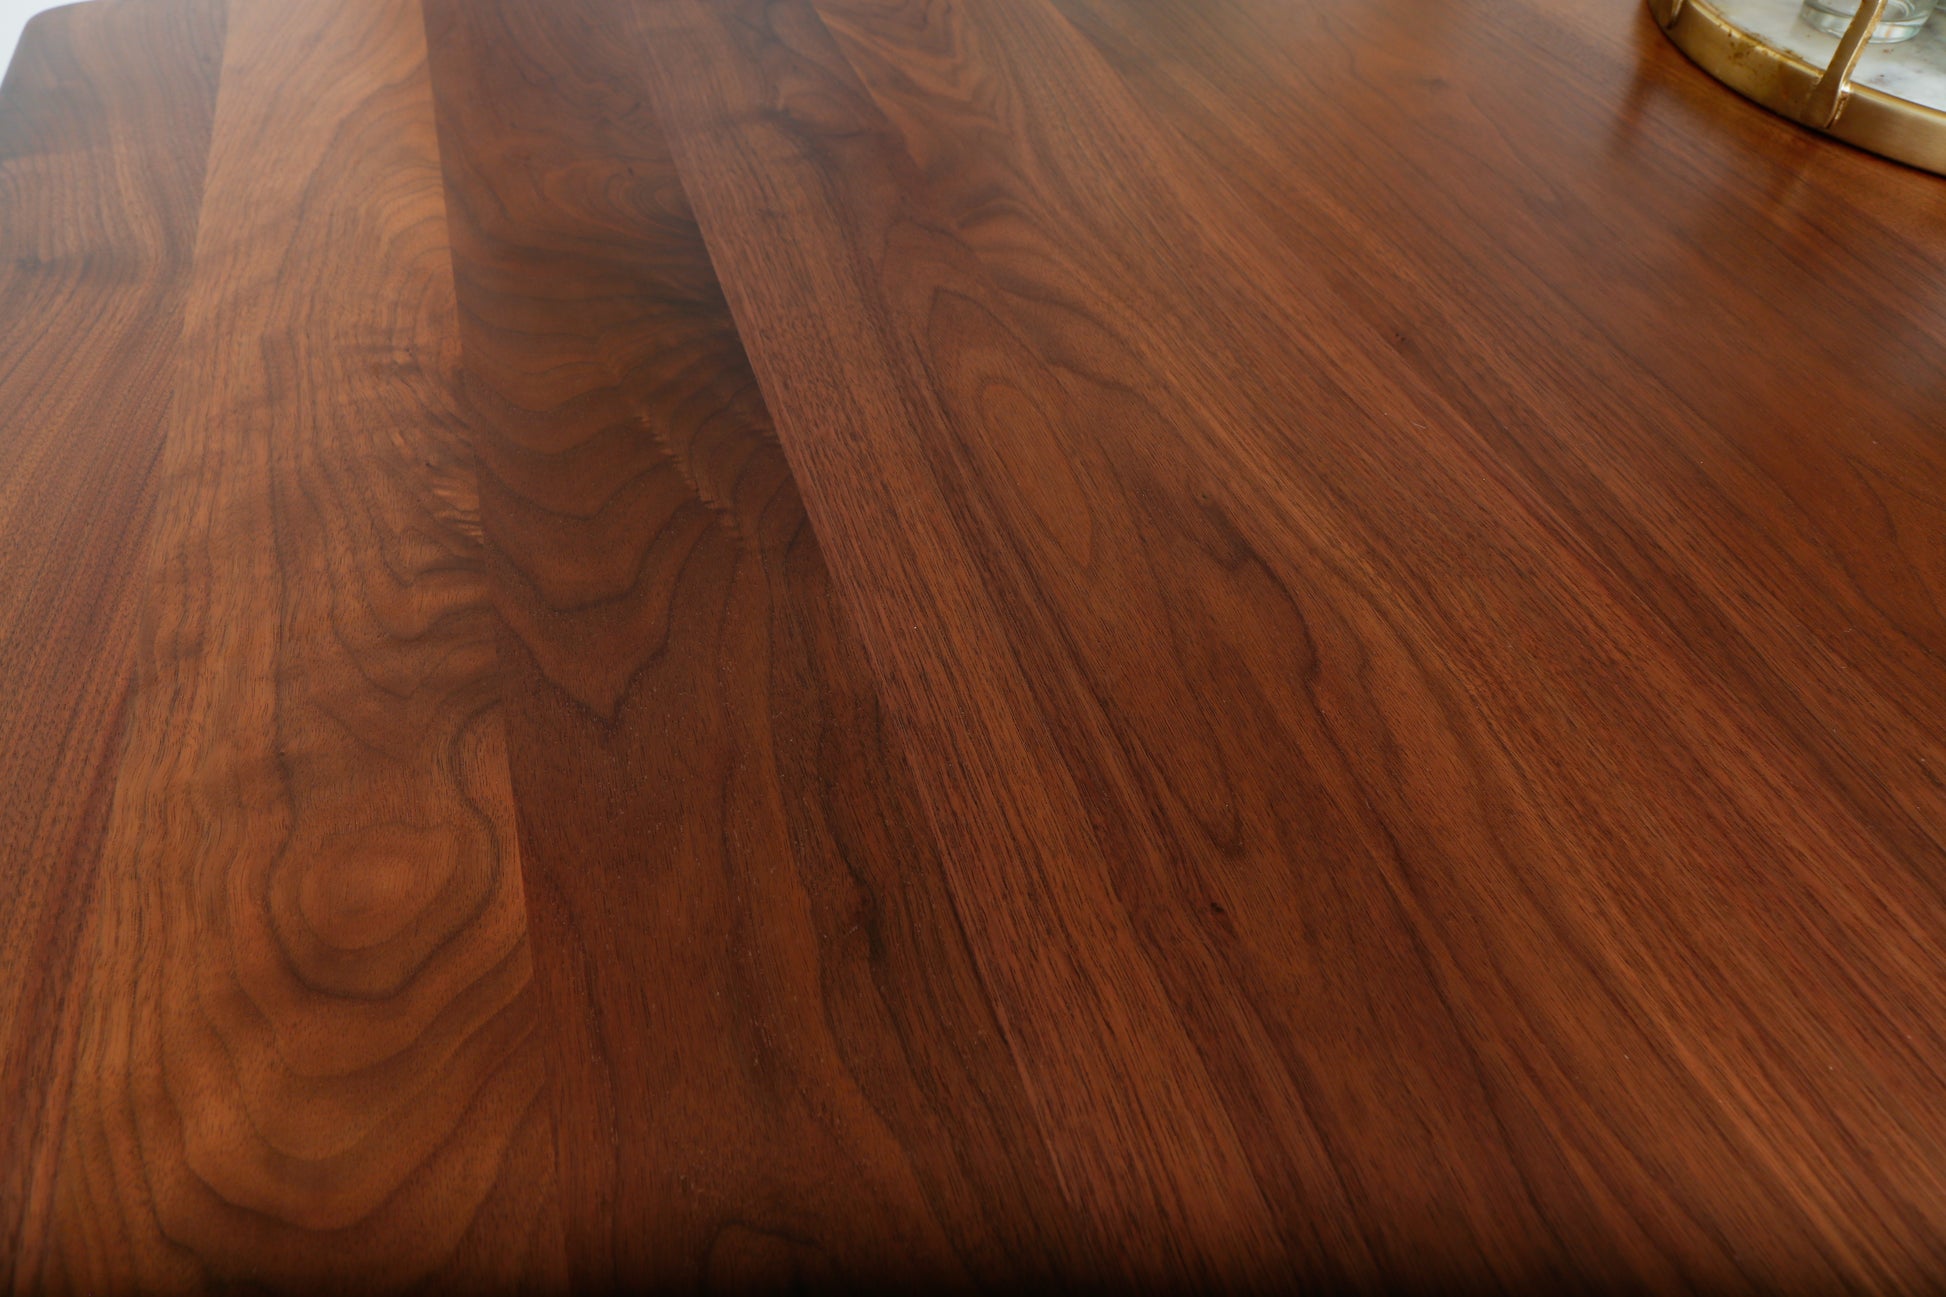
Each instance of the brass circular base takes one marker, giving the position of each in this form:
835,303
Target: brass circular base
1786,84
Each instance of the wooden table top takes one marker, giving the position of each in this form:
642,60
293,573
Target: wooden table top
1131,644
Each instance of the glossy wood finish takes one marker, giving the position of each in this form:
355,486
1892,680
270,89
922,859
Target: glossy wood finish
772,1060
104,123
1128,644
1469,879
306,1052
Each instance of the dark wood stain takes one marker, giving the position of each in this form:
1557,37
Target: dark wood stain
1454,777
305,1046
770,1040
1119,644
104,122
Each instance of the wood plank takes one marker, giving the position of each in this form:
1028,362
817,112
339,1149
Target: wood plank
1166,644
1817,444
774,1064
1483,932
826,260
104,126
307,1044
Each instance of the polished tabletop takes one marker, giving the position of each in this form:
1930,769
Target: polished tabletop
1129,645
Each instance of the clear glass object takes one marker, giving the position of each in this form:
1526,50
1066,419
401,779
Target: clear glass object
1901,20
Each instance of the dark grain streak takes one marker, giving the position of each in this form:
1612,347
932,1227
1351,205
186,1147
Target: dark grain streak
769,1042
104,123
1158,645
1496,868
305,1048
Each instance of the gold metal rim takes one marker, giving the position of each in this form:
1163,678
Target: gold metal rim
1823,99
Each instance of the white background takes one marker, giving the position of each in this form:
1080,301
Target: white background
13,15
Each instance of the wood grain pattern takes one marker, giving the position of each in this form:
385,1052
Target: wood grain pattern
104,124
307,1051
1679,426
771,1049
1127,645
1397,707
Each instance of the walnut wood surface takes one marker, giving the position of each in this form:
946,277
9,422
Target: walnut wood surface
1127,644
104,122
772,1060
1487,896
305,1049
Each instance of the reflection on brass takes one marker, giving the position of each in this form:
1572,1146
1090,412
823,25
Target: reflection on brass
1824,99
1828,95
